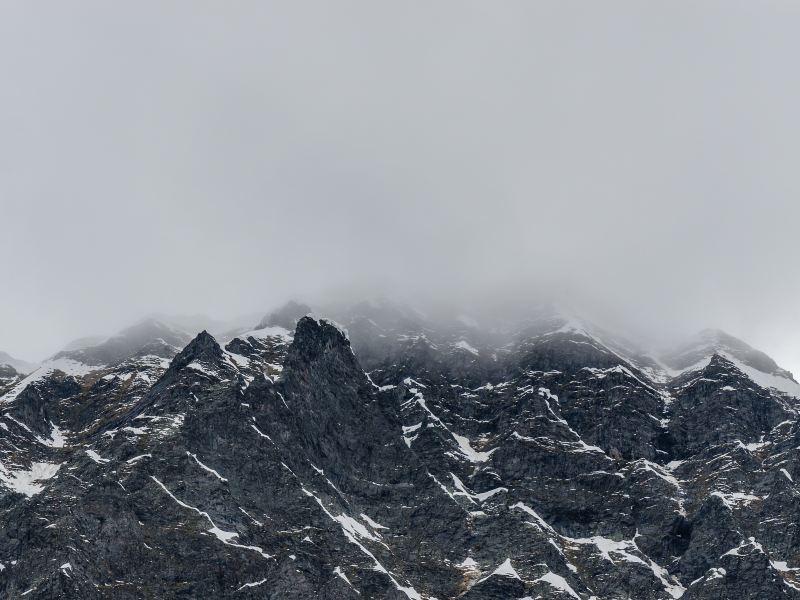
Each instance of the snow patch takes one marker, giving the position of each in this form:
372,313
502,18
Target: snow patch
338,571
26,481
224,536
764,380
558,582
504,570
96,457
372,523
464,345
280,333
57,439
253,584
409,591
468,451
65,365
206,468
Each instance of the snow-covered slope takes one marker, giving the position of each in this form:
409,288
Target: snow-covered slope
697,353
21,366
146,337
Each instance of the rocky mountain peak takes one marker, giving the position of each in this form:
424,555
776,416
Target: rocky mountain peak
286,316
8,376
715,341
20,366
320,345
203,348
128,343
7,370
718,363
430,459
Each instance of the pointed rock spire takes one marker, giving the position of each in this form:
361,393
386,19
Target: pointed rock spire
203,348
321,351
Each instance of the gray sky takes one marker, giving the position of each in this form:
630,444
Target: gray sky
219,157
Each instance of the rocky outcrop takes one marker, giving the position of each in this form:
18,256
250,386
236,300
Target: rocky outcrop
397,460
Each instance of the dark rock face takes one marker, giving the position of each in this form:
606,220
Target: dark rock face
418,462
8,377
720,404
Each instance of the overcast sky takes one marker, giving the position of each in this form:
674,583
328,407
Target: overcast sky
220,157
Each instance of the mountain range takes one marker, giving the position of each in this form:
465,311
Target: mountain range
371,452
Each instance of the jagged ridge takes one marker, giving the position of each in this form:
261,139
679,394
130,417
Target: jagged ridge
425,460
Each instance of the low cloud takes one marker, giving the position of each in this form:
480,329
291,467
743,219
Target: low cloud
201,158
